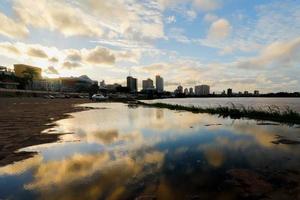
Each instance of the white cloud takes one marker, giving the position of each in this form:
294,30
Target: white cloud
277,54
207,5
51,70
99,55
11,28
219,30
92,18
210,17
171,19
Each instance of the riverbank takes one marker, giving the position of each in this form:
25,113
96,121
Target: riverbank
287,116
23,119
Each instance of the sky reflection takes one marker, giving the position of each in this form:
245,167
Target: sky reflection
124,153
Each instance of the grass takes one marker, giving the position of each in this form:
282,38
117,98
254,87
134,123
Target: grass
272,113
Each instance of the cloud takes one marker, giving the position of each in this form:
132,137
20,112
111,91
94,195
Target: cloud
74,55
100,55
35,52
71,65
9,48
53,60
56,15
171,19
219,30
11,28
207,5
179,35
210,17
277,54
52,70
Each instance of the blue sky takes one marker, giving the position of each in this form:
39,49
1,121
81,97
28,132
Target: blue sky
241,44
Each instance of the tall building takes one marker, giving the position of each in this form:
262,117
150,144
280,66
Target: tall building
202,90
186,91
132,84
148,84
191,91
159,83
229,92
256,92
21,70
179,90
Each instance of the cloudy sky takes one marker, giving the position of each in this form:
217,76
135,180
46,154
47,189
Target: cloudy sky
241,44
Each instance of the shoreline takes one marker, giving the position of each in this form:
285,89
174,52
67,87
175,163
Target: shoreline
23,119
289,117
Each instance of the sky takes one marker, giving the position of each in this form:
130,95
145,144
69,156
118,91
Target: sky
240,44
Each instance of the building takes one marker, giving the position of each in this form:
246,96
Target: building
229,92
148,84
159,83
6,71
246,93
21,70
256,92
202,90
186,91
132,84
191,91
76,84
113,87
179,90
102,84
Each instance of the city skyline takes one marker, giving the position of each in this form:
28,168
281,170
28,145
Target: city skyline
225,44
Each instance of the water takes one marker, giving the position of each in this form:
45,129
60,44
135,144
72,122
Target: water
258,103
121,152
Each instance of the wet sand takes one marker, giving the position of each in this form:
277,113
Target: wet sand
23,119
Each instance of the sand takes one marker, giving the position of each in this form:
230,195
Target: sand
23,119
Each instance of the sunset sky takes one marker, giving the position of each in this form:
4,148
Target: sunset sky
242,44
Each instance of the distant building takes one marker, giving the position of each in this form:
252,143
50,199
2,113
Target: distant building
76,84
21,69
256,92
229,92
159,83
191,91
202,90
148,84
186,91
246,93
132,84
113,87
102,84
179,90
6,71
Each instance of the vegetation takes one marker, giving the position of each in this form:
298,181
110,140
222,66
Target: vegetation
273,113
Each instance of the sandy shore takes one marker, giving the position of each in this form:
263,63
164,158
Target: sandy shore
23,119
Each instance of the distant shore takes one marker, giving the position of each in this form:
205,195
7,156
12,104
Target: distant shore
23,119
287,116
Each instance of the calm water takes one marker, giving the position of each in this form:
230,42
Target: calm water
121,152
258,103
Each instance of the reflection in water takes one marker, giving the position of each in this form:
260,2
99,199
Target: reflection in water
125,153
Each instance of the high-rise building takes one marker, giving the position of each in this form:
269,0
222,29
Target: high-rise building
186,91
179,90
159,83
256,92
148,84
229,92
191,91
202,90
132,84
